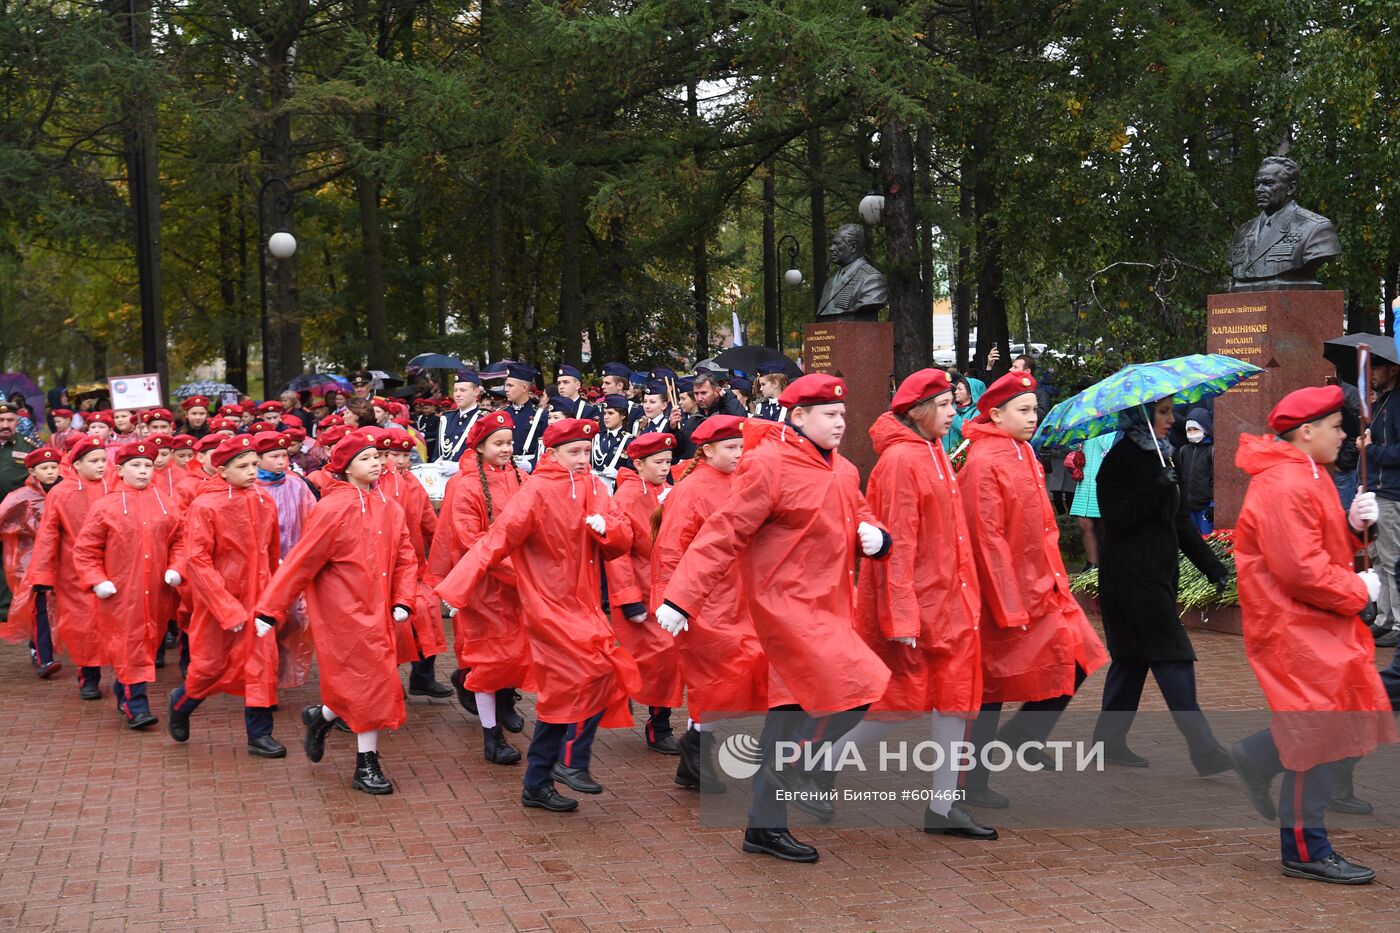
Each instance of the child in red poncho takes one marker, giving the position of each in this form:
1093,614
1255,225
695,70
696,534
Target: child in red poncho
21,513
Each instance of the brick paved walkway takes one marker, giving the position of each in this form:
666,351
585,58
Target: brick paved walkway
103,829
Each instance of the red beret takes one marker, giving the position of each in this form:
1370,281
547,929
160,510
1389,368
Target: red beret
62,412
291,421
231,411
400,420
73,439
487,425
569,430
223,424
156,414
639,448
265,442
919,387
136,450
231,447
718,428
1303,405
297,435
42,455
209,442
354,443
195,401
101,417
813,389
394,440
330,421
84,446
257,427
332,435
182,442
160,441
270,406
1002,391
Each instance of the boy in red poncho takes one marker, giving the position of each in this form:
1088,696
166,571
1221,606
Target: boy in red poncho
556,536
228,551
1300,600
73,611
800,501
21,513
1037,646
488,634
355,564
123,556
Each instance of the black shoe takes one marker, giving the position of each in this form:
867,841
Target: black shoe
1034,755
179,723
498,751
666,745
1333,869
1344,799
1352,804
368,776
160,660
316,728
465,697
48,670
340,725
779,844
958,822
547,798
434,688
986,799
578,779
506,713
90,691
142,720
1256,787
1123,755
171,639
1215,761
810,790
265,746
1390,639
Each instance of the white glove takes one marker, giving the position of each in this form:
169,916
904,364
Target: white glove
597,523
173,578
871,539
400,614
1364,511
452,612
907,642
105,589
262,627
1373,584
661,496
637,620
672,620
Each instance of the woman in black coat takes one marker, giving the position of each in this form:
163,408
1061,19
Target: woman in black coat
1145,526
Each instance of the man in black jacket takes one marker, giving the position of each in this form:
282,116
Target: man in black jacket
1195,466
1382,442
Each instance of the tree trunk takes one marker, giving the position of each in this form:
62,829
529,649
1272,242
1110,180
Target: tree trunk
962,268
770,258
495,318
700,268
816,196
284,324
570,276
236,335
991,294
372,260
924,170
913,324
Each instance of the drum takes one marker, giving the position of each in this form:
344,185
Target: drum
434,477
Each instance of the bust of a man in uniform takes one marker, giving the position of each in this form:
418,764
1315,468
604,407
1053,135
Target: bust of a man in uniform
1285,245
856,291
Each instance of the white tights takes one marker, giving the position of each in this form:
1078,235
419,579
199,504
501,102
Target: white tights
366,741
943,731
486,709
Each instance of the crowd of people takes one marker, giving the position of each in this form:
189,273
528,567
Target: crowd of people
691,542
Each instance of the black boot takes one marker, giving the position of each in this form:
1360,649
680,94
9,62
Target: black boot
779,844
465,697
688,768
705,765
368,776
1214,761
316,728
957,822
1344,799
1256,786
498,750
506,713
178,723
265,746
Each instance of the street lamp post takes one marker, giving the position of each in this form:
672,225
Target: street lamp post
793,276
282,245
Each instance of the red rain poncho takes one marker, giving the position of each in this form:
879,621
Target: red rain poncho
293,500
129,538
1299,602
72,607
423,635
579,667
227,554
629,581
21,513
355,563
927,590
790,525
488,633
721,661
1033,630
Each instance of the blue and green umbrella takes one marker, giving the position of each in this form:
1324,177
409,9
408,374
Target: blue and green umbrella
1095,410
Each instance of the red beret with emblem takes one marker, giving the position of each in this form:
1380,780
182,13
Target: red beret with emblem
265,442
332,435
136,450
330,421
257,427
487,425
1002,391
101,417
568,431
354,443
639,448
160,441
231,447
209,442
231,411
182,442
62,412
267,407
42,455
918,388
1299,407
195,401
813,389
291,421
717,428
84,446
156,414
223,424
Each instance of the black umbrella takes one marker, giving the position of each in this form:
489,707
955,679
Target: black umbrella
435,361
749,358
1341,352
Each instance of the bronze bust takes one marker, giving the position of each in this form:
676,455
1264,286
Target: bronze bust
1285,245
857,290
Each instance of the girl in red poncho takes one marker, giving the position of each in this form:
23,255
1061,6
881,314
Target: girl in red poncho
423,640
721,661
21,513
800,501
488,634
293,500
123,556
920,615
1037,646
355,564
72,609
555,534
228,551
629,588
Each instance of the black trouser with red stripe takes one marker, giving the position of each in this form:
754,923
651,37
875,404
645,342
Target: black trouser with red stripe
1302,800
658,723
131,699
567,744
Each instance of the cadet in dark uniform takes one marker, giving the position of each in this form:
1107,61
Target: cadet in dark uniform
529,418
617,380
569,383
454,426
610,444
